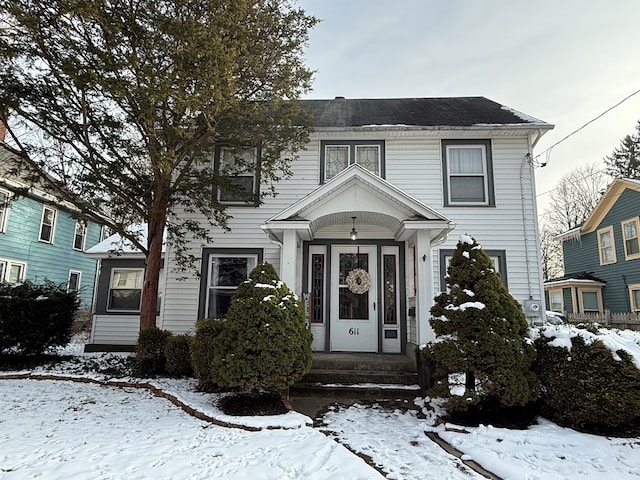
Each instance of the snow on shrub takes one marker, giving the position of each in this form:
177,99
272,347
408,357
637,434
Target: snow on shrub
481,331
590,381
265,342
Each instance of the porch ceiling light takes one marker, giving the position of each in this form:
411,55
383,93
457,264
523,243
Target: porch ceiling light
354,232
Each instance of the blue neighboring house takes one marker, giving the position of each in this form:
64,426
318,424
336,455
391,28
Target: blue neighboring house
602,257
40,240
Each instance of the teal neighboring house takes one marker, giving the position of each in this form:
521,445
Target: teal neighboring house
40,240
602,257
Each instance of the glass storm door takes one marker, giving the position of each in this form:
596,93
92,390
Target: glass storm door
354,316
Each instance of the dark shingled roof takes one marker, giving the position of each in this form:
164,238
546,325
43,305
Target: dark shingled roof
576,276
423,112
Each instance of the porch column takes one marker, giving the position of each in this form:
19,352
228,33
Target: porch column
289,258
424,287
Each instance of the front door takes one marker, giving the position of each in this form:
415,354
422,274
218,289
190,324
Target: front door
353,313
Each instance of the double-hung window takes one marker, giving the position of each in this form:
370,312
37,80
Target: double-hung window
74,281
590,301
634,297
468,177
47,224
125,289
12,272
5,196
606,246
630,236
498,257
79,235
337,155
222,271
240,168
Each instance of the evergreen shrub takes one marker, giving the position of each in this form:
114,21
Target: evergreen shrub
177,353
482,333
150,351
265,343
202,352
34,318
587,388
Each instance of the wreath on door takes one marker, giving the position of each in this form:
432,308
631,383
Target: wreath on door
358,281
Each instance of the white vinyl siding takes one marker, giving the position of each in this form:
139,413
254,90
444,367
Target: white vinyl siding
413,163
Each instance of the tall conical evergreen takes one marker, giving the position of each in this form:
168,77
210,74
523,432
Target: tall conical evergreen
481,331
624,162
265,342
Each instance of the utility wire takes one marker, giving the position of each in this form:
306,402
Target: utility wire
548,150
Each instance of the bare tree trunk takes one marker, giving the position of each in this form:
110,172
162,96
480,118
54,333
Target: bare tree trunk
156,225
470,381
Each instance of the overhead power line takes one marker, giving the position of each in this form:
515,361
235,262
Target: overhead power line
548,150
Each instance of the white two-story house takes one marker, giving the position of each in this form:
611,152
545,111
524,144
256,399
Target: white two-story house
364,228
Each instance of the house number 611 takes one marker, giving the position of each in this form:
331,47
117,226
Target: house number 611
354,331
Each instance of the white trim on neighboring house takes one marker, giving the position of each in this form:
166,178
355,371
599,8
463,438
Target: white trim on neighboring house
631,243
4,208
83,227
633,305
610,257
6,266
48,227
77,273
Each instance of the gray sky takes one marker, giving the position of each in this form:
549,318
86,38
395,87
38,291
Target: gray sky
562,61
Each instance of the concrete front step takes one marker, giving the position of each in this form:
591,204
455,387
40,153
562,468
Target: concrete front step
330,376
369,362
367,391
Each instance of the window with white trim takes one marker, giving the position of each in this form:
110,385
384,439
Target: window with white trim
225,273
79,235
606,246
630,238
634,297
12,272
73,285
125,289
336,155
47,224
240,168
5,196
468,177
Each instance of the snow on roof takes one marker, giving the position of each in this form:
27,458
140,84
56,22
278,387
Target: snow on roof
117,245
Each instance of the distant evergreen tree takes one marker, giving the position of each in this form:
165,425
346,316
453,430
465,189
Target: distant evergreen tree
624,162
481,331
265,343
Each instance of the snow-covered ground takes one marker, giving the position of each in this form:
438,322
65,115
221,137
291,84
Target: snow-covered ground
68,430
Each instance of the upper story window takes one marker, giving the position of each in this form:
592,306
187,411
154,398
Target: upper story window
4,209
47,224
79,236
241,168
467,173
630,236
336,155
606,246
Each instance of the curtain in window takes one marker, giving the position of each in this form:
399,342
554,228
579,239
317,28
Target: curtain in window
466,175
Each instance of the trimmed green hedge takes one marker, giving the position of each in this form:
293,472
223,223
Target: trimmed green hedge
202,352
177,353
150,351
586,388
34,318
